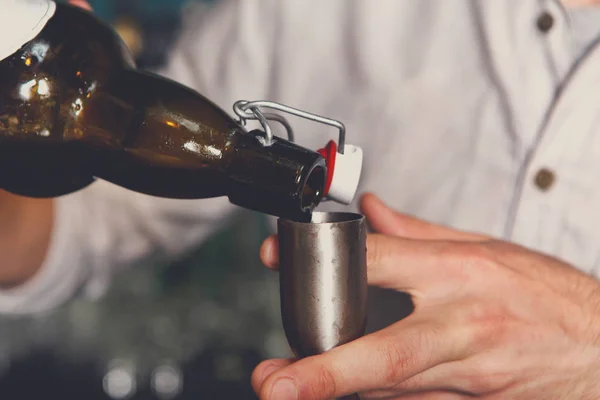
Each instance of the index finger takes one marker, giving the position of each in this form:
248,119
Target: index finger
412,266
423,268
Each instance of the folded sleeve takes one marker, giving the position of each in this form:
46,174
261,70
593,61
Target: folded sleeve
223,52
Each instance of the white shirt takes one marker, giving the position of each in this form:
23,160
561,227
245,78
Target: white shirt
585,26
457,104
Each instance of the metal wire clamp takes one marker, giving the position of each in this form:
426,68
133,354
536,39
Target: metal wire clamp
251,110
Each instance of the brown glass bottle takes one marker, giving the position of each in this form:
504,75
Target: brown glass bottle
73,107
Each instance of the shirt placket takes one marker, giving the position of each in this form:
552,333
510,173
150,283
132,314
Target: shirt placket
559,173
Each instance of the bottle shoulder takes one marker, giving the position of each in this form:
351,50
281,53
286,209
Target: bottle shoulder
45,83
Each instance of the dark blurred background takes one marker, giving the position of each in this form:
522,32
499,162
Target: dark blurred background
191,330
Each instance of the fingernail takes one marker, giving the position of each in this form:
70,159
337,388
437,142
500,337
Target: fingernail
284,389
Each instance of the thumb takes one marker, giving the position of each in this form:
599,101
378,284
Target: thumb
390,222
380,360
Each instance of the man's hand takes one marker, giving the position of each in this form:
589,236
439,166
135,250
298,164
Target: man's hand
491,320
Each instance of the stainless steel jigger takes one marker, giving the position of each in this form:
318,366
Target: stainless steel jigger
323,281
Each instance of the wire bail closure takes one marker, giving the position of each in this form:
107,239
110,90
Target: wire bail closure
251,110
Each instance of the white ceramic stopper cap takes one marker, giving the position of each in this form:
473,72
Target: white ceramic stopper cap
21,21
346,175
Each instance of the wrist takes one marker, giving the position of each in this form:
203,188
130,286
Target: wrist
25,231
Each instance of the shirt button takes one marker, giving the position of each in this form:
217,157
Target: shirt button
545,22
544,179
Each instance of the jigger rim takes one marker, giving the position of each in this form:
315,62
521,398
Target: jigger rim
329,217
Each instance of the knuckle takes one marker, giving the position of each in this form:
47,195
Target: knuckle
489,324
491,383
325,385
479,256
397,360
378,250
461,264
488,378
471,258
412,384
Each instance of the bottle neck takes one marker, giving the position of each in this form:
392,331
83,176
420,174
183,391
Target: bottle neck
282,179
152,133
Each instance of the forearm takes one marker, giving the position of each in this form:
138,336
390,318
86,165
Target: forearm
25,231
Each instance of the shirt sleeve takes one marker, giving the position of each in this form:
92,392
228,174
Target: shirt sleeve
223,52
